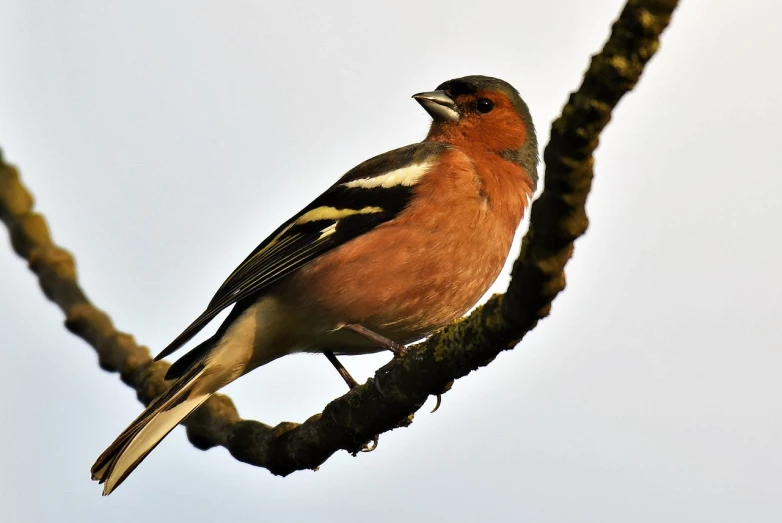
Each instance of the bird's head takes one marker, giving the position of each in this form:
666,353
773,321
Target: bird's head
486,113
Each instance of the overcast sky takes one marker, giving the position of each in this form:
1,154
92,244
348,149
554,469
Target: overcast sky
164,140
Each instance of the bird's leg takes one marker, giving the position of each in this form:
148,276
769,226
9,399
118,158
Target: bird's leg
352,384
396,348
391,345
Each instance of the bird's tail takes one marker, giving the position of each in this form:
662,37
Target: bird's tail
146,431
249,340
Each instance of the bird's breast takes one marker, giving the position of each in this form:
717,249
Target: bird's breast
429,265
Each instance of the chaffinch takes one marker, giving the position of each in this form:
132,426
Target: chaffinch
401,245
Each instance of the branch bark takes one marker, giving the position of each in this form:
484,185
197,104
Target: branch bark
398,389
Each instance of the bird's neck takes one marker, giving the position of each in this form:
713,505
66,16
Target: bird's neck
505,167
524,156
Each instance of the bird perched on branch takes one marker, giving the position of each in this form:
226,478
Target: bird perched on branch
401,245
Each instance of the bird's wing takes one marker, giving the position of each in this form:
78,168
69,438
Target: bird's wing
368,195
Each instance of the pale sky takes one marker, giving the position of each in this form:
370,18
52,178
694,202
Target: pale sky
164,140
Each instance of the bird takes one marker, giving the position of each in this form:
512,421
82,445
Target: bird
400,246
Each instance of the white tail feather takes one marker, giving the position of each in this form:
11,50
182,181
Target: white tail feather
232,355
156,429
144,434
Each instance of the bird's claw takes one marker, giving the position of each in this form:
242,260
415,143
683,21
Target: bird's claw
367,448
436,405
399,350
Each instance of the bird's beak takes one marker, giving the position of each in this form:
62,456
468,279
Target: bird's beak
439,105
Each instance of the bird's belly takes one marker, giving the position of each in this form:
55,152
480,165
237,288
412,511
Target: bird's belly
403,288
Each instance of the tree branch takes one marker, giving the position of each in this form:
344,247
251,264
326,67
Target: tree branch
400,388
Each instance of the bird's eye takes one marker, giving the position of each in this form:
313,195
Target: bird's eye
484,105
